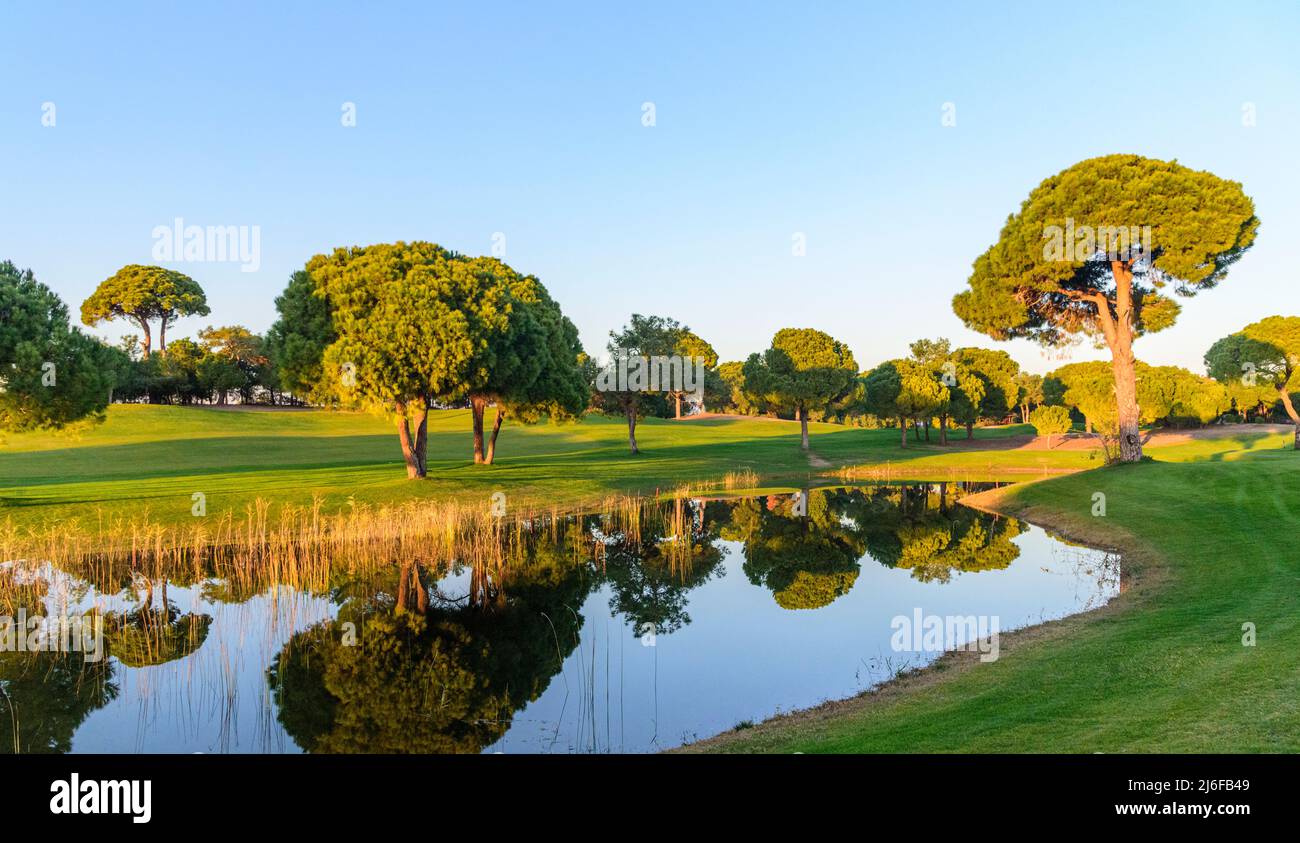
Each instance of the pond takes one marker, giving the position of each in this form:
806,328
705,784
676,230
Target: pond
609,632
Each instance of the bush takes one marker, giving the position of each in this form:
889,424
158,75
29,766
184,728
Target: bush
1050,421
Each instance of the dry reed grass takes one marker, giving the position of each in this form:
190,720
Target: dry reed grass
304,546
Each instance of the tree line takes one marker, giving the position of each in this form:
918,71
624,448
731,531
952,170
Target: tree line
405,328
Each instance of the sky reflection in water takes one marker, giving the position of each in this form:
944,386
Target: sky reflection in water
604,635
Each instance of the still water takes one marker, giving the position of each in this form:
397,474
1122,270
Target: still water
603,634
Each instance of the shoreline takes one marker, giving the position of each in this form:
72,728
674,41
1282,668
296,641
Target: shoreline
1143,571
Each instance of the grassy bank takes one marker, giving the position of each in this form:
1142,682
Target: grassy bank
1209,545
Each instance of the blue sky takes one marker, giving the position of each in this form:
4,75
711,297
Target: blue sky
475,119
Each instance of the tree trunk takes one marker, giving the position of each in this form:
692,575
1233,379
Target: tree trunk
403,590
147,341
421,593
803,428
677,397
412,596
926,426
422,437
1119,336
162,335
902,425
476,405
1130,440
1291,411
492,441
970,430
631,428
414,470
943,429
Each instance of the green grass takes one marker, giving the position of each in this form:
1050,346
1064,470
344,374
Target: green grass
1209,545
151,459
154,458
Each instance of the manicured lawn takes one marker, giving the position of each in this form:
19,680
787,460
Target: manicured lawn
151,459
1209,546
154,458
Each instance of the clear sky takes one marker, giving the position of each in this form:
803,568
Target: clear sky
770,120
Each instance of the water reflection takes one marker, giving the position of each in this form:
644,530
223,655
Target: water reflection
653,563
408,669
154,633
44,696
555,633
918,529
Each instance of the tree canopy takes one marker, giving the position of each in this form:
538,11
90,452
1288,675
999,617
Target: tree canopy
905,390
297,341
966,385
691,346
1264,354
234,359
959,389
1088,387
1051,420
623,387
725,390
1166,394
1170,394
141,294
1136,227
51,374
1029,393
998,391
530,369
803,370
415,324
404,334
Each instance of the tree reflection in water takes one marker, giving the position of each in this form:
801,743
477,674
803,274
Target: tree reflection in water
44,696
409,670
153,634
799,546
413,665
653,566
919,529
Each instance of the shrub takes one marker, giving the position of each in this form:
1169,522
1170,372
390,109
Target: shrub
1050,421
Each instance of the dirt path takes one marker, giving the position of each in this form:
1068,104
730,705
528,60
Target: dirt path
1029,442
245,408
1085,442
